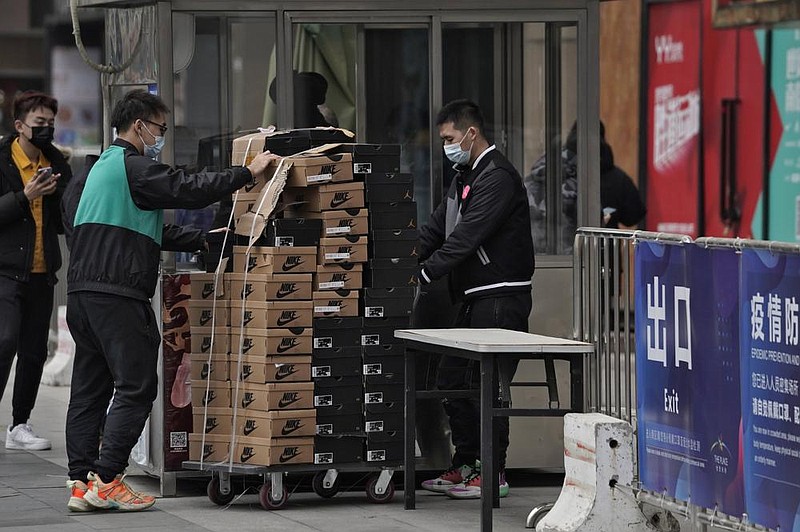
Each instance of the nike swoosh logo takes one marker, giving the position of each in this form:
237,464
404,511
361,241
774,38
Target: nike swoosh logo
247,457
335,202
290,267
281,294
283,348
283,321
282,375
207,291
248,430
248,187
283,403
286,432
283,459
247,402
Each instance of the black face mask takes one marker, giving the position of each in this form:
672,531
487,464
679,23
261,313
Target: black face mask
42,136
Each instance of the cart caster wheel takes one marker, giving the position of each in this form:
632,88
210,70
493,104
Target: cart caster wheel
216,496
319,487
379,498
265,497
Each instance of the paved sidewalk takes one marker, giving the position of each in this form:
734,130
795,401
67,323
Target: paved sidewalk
33,498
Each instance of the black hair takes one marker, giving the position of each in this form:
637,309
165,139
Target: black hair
572,137
138,104
28,101
463,114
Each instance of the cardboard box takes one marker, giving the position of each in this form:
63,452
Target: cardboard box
336,303
342,222
293,232
340,425
385,452
330,333
270,287
388,273
399,243
275,259
340,276
339,362
294,341
217,420
324,198
384,363
202,286
389,188
380,331
351,249
202,313
274,451
202,340
338,449
318,169
246,147
338,396
211,393
210,447
276,396
399,215
271,314
281,424
201,370
384,427
388,302
384,399
245,202
253,341
372,158
293,141
260,369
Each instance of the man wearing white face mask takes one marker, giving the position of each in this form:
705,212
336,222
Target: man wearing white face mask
480,238
113,217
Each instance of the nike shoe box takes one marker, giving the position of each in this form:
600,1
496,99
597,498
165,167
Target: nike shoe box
338,396
203,341
385,451
294,141
331,197
338,449
384,363
330,333
340,276
309,170
203,286
344,222
274,451
372,158
351,249
338,362
380,331
292,232
292,341
203,312
395,302
209,447
275,396
211,393
270,314
213,420
201,370
270,287
350,424
389,188
397,243
276,424
397,215
384,427
264,369
336,303
384,398
388,273
286,259
244,202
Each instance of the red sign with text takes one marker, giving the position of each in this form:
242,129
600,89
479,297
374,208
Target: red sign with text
673,116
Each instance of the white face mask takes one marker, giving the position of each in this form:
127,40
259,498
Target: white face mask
456,154
152,150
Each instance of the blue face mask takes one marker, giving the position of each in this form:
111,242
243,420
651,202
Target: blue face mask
456,154
153,150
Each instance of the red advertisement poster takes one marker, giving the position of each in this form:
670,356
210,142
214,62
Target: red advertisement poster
673,116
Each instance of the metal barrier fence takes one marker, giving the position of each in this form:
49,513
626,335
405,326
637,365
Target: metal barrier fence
604,305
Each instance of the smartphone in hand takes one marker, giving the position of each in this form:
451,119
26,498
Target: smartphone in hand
44,174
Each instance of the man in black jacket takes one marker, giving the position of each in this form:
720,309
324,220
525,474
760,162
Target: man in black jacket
479,237
33,175
114,220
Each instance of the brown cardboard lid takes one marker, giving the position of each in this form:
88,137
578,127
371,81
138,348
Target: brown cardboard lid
278,414
207,330
275,442
336,187
212,411
209,303
215,438
211,385
352,240
280,360
277,386
290,305
344,213
293,332
341,293
340,267
248,304
202,357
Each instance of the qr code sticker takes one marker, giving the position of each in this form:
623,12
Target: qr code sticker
178,440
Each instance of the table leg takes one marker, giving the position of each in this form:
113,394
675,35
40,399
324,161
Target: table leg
495,479
409,462
488,473
576,367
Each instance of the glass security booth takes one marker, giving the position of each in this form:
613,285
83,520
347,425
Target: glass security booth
229,67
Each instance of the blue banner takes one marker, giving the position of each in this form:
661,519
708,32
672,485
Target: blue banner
687,370
770,359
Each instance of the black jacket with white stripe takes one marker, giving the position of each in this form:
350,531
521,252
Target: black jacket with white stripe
488,249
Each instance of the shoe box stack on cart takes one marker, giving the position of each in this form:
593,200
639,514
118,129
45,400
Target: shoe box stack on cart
295,368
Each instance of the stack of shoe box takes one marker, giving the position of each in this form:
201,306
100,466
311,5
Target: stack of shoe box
388,295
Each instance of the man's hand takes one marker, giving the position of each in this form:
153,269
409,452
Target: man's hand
41,185
423,277
259,164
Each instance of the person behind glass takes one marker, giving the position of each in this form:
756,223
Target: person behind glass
114,223
33,174
479,236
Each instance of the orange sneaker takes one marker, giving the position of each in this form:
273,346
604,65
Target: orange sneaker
116,495
77,490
